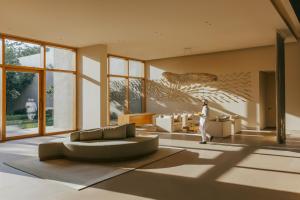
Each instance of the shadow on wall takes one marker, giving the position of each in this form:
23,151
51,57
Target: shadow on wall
117,96
89,86
292,88
229,94
228,88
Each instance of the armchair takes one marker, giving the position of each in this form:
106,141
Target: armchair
169,123
189,120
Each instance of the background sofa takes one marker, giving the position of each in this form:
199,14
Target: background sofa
219,126
169,123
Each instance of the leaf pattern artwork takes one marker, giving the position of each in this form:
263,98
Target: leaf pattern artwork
226,88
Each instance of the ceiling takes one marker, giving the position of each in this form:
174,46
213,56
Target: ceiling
296,7
145,29
289,10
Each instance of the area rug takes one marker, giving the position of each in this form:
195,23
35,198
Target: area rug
80,175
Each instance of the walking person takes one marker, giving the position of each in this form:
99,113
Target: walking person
203,121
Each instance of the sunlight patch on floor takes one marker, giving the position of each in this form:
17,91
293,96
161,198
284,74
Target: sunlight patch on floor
186,170
206,154
196,145
10,179
278,152
262,179
106,194
269,162
14,186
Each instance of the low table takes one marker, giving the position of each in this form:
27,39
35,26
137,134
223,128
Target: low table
139,119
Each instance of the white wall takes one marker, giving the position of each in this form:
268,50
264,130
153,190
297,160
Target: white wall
231,68
292,88
63,101
92,67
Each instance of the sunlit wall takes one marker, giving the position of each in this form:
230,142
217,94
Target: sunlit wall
236,92
92,66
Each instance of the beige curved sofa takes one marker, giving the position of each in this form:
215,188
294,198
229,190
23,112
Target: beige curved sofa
89,146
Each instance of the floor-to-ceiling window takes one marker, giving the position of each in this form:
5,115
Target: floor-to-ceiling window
60,89
22,107
126,86
38,88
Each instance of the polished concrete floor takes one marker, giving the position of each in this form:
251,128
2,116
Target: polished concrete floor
241,167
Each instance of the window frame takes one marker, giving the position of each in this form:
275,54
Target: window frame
42,71
25,41
127,78
56,69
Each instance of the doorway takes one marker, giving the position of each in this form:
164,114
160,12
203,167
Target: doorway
267,100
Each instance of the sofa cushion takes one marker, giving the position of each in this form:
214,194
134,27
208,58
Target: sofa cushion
130,130
94,134
112,133
176,118
222,118
167,116
190,116
75,136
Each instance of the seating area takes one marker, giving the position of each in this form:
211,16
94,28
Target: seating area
104,144
220,126
149,100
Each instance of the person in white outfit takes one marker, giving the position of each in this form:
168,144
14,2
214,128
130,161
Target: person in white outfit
203,119
31,109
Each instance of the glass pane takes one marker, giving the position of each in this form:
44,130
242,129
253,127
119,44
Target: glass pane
0,50
21,103
118,66
60,101
117,98
59,58
23,54
136,68
136,95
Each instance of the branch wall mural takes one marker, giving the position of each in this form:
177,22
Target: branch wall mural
189,78
193,87
227,94
118,96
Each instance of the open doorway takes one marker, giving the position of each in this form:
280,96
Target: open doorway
267,100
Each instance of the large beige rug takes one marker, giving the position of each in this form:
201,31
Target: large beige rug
80,175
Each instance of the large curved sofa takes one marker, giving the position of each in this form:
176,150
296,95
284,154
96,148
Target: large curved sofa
105,144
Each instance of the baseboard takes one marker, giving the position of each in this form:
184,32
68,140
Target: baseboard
292,132
258,132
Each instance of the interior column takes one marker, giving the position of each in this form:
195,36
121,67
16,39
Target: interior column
280,88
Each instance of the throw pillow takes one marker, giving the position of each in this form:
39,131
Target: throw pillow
176,118
114,133
223,118
75,136
95,134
